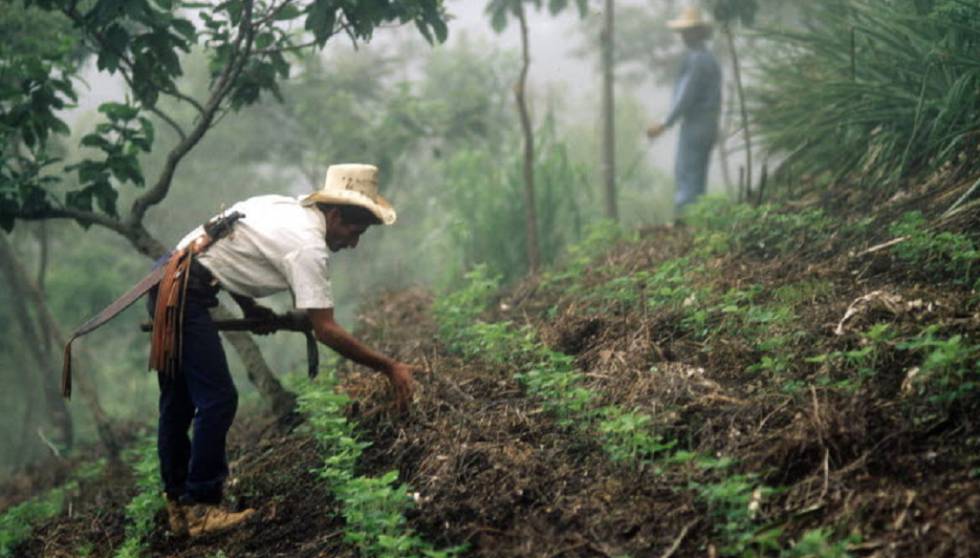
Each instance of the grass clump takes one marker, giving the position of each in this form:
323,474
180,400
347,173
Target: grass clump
895,80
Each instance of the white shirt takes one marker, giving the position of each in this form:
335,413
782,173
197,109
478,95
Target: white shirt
279,245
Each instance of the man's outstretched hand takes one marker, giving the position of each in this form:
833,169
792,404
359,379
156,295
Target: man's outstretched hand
656,130
400,376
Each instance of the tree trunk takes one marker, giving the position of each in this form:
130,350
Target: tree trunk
18,283
608,112
23,452
530,210
90,395
741,101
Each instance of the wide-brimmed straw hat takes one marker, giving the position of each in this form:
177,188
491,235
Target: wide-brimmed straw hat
690,18
353,184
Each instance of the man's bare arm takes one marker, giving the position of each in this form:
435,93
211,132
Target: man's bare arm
333,335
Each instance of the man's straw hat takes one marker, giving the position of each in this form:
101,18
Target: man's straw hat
690,18
354,184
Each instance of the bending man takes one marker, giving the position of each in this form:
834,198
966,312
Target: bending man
280,243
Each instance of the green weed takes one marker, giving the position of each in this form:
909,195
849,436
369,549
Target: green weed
803,292
863,361
934,253
17,522
949,370
599,236
459,310
627,436
552,378
141,511
734,503
816,543
762,231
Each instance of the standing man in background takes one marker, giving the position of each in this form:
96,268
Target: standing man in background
696,102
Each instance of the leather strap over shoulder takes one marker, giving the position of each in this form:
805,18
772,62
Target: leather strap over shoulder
161,354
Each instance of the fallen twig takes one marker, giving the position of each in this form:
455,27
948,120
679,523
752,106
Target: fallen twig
966,195
680,538
881,246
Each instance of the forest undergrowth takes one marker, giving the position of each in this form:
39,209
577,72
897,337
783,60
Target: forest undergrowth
782,380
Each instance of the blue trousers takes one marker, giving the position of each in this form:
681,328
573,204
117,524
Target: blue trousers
201,394
691,166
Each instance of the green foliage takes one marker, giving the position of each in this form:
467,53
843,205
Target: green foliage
762,231
949,370
816,544
863,361
373,507
459,310
627,436
500,10
486,201
17,522
734,502
933,253
552,377
599,236
895,80
728,11
246,43
121,139
142,510
547,375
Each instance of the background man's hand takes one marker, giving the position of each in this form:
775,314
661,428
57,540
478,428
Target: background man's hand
400,376
655,130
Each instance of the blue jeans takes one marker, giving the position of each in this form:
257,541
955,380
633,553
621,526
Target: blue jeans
201,392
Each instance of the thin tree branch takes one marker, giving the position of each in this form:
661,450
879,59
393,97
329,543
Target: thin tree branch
232,70
72,13
83,217
272,12
173,124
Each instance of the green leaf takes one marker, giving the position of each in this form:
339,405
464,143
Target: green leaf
116,39
264,40
185,28
320,19
289,11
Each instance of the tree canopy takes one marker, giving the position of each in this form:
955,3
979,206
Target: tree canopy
248,44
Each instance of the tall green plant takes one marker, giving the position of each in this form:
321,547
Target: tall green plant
887,88
485,203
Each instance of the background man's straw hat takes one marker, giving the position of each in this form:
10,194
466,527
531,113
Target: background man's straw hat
354,184
690,18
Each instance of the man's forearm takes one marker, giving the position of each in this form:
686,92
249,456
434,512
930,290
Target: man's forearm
340,340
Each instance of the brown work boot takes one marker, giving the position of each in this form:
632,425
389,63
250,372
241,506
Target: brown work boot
176,518
204,519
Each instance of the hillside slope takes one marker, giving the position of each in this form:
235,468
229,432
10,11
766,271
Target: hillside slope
763,381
